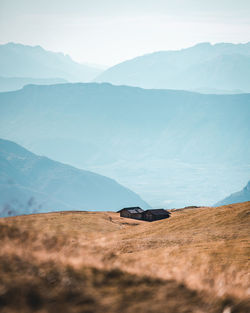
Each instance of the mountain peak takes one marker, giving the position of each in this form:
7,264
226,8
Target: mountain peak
18,60
200,67
240,196
202,45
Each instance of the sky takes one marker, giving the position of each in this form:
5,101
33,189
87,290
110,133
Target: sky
110,31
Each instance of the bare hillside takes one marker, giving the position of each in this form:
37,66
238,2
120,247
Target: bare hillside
195,261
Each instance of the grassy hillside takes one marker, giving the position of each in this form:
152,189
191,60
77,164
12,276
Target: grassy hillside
195,261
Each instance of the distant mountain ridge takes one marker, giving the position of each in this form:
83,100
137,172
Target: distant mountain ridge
237,197
174,148
221,66
15,83
34,184
17,60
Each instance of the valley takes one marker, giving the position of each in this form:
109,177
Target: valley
173,148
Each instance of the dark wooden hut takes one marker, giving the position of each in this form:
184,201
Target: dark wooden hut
132,212
155,215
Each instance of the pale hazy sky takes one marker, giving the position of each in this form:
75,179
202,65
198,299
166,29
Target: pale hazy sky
110,31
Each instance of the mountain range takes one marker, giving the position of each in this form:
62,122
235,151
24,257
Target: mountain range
222,68
174,148
14,83
35,184
207,68
240,196
21,61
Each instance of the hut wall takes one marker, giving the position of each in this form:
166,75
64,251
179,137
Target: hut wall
160,217
137,216
125,214
152,217
148,217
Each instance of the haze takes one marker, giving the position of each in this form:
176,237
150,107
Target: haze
108,32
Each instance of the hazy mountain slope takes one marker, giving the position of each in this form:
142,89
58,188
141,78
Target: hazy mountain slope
227,72
204,66
177,123
30,183
170,146
240,196
17,60
14,83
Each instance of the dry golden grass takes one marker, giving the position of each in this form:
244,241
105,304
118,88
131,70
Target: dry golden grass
195,261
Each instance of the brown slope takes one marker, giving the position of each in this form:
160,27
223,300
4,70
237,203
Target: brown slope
70,259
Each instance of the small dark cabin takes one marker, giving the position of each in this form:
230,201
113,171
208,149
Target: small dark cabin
132,212
155,215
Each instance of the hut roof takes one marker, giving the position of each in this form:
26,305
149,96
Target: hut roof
158,212
132,210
